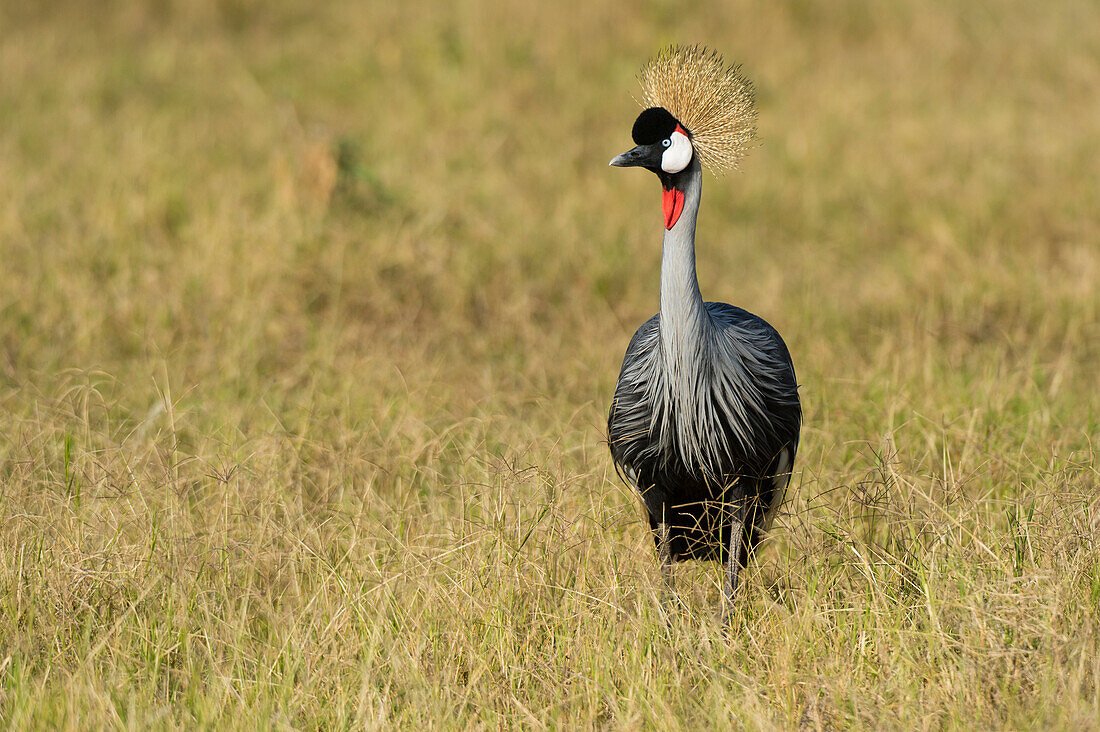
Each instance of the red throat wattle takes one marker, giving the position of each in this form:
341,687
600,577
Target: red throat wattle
672,201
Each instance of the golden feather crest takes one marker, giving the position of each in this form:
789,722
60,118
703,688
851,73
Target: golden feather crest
713,100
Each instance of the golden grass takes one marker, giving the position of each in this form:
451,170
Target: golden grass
309,320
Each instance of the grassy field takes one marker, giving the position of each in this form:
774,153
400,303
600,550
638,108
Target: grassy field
310,319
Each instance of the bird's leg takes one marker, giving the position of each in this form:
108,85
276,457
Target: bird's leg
664,555
733,561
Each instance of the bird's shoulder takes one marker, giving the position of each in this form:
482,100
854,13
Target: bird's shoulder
732,316
645,338
747,328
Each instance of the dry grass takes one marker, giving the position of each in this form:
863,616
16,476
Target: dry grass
309,321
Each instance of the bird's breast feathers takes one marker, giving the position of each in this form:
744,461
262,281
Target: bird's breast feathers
729,407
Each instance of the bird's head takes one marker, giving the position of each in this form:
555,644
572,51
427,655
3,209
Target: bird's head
664,147
700,111
663,144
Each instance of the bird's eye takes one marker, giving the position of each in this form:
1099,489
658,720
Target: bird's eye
666,142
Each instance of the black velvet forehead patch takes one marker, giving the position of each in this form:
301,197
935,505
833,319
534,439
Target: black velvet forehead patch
652,125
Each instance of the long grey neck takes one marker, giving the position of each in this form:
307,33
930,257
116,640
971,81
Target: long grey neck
684,321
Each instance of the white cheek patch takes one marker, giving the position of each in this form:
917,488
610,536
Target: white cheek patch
678,154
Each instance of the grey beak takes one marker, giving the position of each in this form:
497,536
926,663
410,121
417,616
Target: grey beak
631,158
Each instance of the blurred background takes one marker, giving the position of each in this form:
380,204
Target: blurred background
309,307
257,193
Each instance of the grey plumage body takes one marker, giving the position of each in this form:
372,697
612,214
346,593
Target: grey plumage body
706,417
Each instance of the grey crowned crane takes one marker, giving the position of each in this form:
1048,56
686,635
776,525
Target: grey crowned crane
706,416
